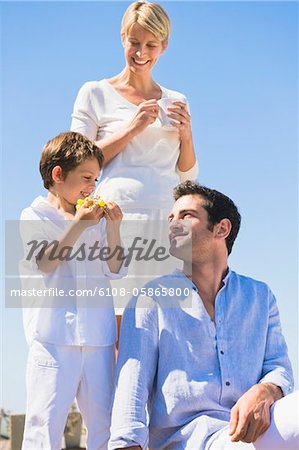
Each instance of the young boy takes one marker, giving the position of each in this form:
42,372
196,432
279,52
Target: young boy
70,329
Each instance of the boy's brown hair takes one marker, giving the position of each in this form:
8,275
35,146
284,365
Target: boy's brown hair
67,150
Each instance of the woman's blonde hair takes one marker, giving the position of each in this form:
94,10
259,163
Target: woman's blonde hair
150,16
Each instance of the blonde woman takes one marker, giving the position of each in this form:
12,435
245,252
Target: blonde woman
143,159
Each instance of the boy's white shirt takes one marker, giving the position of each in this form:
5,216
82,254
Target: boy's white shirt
86,319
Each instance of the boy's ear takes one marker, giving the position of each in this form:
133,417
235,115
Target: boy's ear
57,175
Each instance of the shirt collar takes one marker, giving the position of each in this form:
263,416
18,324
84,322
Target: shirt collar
42,205
180,273
227,276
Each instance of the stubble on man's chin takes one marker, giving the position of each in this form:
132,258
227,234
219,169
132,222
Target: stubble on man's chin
182,253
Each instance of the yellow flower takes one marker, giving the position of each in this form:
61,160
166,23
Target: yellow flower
90,202
101,202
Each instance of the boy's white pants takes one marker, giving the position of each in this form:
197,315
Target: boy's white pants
56,375
283,433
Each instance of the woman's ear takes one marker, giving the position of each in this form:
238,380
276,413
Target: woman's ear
164,45
57,175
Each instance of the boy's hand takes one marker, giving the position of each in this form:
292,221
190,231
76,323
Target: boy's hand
89,215
113,213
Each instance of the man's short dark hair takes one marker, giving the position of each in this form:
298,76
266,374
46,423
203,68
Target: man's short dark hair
217,205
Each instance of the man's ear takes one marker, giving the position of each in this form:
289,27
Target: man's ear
57,175
223,228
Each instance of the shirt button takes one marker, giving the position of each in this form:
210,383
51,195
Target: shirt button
222,352
227,383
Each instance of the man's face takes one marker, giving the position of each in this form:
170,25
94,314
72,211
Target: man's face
189,235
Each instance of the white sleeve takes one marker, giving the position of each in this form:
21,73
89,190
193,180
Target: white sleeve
277,368
84,117
190,174
33,236
135,374
123,271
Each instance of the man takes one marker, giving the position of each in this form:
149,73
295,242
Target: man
211,376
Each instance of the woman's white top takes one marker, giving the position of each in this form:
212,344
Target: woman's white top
145,172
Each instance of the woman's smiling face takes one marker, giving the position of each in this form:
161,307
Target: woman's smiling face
142,49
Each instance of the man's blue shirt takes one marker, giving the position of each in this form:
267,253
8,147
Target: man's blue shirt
179,373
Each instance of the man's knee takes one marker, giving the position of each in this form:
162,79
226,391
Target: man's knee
283,432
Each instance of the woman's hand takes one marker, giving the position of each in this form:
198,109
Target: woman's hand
180,114
146,114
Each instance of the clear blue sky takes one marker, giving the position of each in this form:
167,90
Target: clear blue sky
236,62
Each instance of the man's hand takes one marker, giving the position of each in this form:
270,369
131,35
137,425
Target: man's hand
250,417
